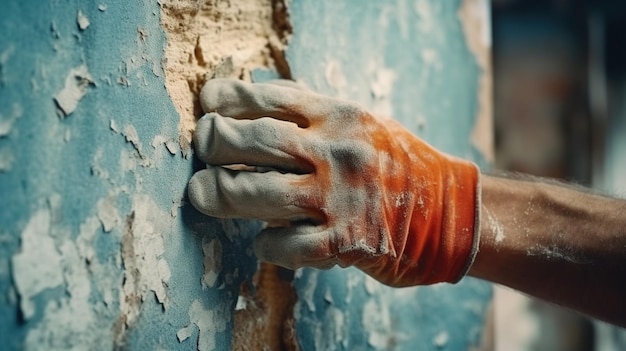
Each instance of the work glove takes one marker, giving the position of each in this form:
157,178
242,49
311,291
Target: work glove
345,187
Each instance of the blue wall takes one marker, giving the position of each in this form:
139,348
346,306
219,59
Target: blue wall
97,245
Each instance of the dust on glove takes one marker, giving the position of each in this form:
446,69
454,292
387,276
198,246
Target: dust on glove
351,188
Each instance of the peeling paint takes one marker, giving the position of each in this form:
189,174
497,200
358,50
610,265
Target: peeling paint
72,322
107,213
82,21
474,16
212,251
130,133
145,268
113,126
171,145
77,83
208,322
38,264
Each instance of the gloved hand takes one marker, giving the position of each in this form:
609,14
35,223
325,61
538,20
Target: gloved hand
353,189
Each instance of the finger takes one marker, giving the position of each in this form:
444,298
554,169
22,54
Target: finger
262,142
224,193
296,246
241,100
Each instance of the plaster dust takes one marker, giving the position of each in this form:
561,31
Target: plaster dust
218,38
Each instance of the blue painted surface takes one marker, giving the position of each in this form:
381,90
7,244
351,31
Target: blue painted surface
57,163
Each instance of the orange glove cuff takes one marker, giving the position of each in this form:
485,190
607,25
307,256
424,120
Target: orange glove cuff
455,244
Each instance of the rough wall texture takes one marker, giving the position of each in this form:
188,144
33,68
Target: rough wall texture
98,248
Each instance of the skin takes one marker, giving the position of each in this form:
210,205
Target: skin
554,242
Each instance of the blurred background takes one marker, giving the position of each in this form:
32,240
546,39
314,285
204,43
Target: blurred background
560,111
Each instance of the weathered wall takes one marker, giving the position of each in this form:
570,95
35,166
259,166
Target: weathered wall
98,249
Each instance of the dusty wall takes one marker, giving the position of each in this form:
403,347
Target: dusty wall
98,247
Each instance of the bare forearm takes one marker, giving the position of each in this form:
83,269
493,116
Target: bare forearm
556,243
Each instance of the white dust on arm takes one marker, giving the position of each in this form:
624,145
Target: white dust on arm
495,227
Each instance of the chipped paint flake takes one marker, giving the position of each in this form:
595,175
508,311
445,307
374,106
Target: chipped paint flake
130,133
212,251
242,303
114,127
143,256
107,213
208,322
82,20
38,264
185,333
172,146
77,83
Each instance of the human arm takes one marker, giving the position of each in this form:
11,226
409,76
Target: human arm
352,189
556,242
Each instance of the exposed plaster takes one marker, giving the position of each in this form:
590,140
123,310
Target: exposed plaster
265,318
227,38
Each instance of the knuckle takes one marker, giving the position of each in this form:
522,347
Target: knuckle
352,156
